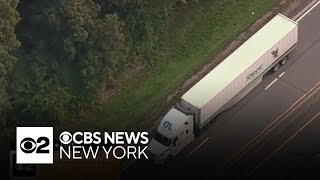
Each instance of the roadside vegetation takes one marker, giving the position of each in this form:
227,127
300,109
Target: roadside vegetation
107,63
196,33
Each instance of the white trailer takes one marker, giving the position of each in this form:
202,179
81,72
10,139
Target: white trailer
224,86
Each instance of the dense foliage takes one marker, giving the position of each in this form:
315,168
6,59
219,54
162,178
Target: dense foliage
8,46
68,49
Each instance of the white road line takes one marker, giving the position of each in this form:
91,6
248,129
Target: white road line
129,164
305,9
308,11
271,83
281,74
204,141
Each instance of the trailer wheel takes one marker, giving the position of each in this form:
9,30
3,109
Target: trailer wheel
284,61
276,67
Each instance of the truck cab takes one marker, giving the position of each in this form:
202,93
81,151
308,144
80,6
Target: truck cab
172,135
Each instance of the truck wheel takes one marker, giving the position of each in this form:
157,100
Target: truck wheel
276,67
169,158
284,61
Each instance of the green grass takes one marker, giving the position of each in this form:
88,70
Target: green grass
196,35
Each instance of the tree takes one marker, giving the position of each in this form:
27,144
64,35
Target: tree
96,43
68,48
9,17
65,56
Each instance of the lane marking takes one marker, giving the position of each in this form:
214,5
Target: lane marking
289,109
237,156
281,74
284,114
279,117
202,143
271,84
308,11
304,10
129,164
285,143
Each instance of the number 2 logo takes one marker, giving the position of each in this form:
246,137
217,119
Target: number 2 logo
29,145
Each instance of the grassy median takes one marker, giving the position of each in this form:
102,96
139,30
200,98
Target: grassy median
196,35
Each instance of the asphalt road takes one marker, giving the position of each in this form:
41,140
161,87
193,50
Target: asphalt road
286,149
274,129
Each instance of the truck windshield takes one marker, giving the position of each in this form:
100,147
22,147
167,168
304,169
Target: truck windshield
162,139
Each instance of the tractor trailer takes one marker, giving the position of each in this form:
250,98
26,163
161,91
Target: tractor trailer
223,87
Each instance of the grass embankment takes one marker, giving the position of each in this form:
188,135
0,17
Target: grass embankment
196,35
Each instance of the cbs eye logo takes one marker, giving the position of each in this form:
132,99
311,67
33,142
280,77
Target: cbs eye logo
65,137
34,145
29,145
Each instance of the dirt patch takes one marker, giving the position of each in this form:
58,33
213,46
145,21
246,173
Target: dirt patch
110,88
288,7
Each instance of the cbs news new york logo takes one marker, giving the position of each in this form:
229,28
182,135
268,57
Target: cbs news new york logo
34,145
